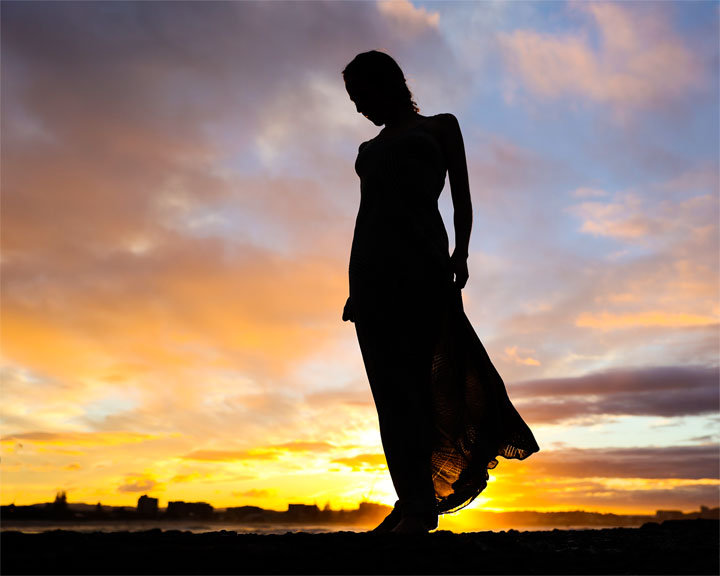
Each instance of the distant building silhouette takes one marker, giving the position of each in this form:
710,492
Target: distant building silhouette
712,513
179,509
669,515
247,513
147,506
303,512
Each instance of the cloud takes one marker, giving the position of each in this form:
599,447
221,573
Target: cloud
230,455
255,494
635,218
522,357
364,462
639,61
586,192
623,480
670,391
607,321
139,483
78,438
182,478
501,169
123,240
619,220
691,462
271,452
651,291
411,19
300,446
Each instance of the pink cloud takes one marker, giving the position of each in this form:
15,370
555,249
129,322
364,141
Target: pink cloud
640,61
412,19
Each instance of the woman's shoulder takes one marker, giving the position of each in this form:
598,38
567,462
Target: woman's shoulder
443,118
444,122
445,129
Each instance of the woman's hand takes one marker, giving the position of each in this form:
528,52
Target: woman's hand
348,312
458,263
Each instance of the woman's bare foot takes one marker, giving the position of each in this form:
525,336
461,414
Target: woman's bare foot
390,521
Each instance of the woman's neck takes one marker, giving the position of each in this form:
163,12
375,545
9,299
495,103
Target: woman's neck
399,118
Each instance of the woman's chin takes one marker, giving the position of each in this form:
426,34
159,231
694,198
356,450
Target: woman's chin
374,120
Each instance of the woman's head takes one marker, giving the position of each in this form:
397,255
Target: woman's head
377,85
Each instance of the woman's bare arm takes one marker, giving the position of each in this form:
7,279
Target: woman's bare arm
454,150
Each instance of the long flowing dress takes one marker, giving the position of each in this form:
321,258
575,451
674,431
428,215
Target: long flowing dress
443,410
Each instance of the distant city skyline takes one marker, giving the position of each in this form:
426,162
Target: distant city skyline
178,202
367,514
62,496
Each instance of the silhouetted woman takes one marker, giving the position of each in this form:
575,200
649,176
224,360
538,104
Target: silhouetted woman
443,410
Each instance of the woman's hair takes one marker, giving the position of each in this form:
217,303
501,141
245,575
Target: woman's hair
380,69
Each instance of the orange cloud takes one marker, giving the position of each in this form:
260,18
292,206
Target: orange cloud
78,438
231,455
272,452
139,483
300,446
180,478
526,358
607,321
255,494
365,462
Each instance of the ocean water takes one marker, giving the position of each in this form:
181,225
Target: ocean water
196,527
38,526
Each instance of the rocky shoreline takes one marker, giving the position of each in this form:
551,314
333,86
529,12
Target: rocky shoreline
673,547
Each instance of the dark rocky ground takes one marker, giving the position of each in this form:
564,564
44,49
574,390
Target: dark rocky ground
673,547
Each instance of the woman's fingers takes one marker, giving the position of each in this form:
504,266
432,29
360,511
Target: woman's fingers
461,278
347,312
460,269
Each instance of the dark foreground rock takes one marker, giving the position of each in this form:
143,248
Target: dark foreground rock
674,547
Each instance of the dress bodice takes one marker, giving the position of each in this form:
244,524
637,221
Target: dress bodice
411,162
401,178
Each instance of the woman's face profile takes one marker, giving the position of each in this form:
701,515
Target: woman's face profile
367,100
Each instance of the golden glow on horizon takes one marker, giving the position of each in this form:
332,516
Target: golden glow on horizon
86,466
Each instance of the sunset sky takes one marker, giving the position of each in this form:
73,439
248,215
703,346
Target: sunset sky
178,203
